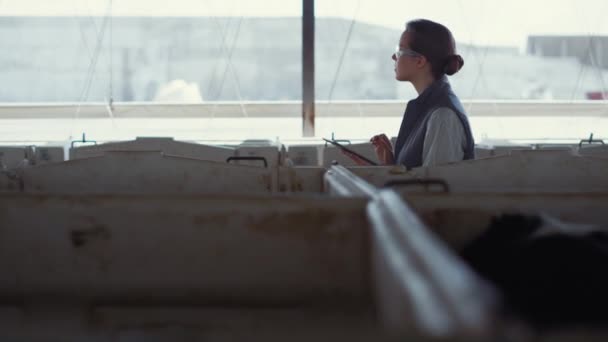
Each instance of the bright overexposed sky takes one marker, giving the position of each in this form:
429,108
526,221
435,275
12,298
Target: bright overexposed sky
494,22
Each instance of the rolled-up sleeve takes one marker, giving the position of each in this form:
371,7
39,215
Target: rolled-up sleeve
445,139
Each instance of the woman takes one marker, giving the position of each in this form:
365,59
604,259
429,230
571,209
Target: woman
434,129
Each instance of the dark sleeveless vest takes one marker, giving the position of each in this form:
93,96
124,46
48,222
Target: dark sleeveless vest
410,141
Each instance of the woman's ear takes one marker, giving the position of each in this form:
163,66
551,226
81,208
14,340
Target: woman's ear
421,62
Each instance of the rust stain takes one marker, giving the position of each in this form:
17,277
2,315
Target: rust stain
80,237
267,180
309,225
211,220
185,177
295,183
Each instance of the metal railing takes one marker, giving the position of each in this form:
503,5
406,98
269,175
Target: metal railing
291,109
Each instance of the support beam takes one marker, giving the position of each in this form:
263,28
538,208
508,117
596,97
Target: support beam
308,68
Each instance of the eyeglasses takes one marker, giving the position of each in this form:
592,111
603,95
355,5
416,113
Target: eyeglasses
406,52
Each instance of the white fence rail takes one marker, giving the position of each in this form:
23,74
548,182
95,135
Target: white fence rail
476,108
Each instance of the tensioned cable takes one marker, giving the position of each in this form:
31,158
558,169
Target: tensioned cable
229,66
223,38
84,42
577,84
227,51
218,61
481,62
581,71
100,33
83,35
341,60
111,67
92,66
110,99
344,48
594,62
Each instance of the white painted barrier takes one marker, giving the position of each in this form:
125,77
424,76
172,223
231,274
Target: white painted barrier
304,155
255,250
146,172
13,156
522,171
48,154
165,145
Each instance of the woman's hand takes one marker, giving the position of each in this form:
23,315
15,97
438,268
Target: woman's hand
355,158
384,149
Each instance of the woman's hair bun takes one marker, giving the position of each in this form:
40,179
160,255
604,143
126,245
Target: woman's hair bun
453,64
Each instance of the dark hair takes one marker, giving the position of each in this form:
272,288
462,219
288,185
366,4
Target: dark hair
435,42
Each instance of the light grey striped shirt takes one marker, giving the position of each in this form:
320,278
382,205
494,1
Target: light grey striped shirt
445,140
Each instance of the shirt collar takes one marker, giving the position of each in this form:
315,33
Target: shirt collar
432,89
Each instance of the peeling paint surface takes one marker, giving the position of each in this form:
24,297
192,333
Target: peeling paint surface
184,247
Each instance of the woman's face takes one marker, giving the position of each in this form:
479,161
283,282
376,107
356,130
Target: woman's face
406,60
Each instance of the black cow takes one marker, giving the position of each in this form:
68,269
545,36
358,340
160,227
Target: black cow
549,276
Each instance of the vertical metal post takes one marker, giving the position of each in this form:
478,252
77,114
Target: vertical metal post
308,68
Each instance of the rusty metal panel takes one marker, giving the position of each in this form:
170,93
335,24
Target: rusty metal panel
146,172
251,250
301,179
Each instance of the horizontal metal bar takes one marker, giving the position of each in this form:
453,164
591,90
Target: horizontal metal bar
293,109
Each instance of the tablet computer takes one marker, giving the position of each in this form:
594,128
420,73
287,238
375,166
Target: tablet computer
337,144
